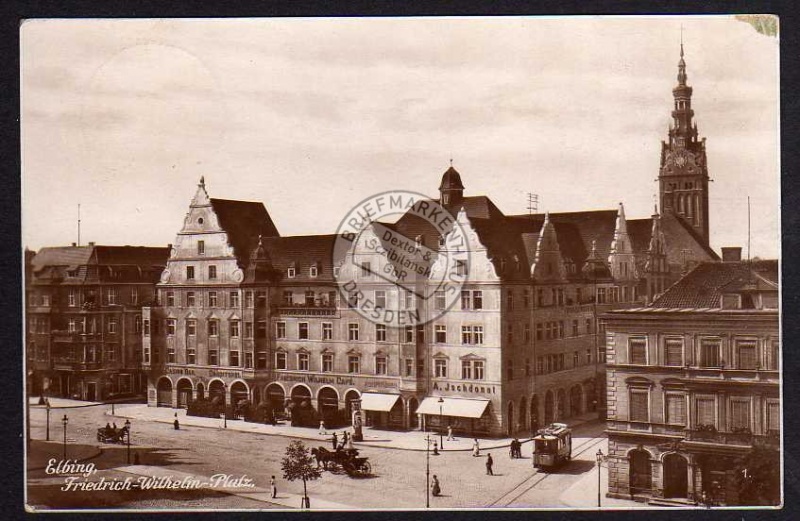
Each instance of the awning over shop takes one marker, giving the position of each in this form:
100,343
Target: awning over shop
378,401
459,407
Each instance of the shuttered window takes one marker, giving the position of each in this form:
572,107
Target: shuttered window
740,414
676,409
639,406
704,412
773,416
673,348
709,352
637,351
746,352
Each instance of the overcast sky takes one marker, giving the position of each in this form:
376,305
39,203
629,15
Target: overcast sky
310,116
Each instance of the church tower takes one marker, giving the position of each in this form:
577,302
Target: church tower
683,176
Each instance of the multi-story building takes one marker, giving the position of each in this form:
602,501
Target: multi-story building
83,312
693,383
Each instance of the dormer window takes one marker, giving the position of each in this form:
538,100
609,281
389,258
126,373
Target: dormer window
312,272
290,272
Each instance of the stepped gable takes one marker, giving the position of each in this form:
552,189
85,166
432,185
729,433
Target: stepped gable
704,285
301,252
244,222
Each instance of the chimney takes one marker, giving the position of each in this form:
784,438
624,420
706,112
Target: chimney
74,244
731,254
91,243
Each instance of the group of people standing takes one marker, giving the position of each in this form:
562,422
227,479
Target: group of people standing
346,442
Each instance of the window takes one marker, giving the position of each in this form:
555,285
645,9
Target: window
380,299
510,300
189,272
171,354
353,364
466,369
477,334
302,361
560,329
111,296
675,408
773,417
527,332
601,295
280,329
201,247
336,270
261,299
461,268
705,415
510,369
673,351
190,300
441,334
213,357
380,365
539,365
134,297
170,298
589,328
471,299
312,272
352,331
72,298
466,335
639,405
327,331
248,330
539,331
327,363
477,369
540,297
440,300
213,327
409,330
234,328
637,350
408,299
408,364
112,325
308,298
366,269
290,272
248,360
191,356
588,356
575,362
212,272
746,354
287,298
380,332
234,358
248,299
302,330
261,329
137,324
170,327
280,360
527,367
773,355
740,414
212,299
191,327
574,328
440,366
146,324
234,298
709,352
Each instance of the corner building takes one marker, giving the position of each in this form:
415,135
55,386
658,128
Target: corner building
246,314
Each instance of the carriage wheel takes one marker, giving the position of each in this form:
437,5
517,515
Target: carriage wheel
349,468
366,468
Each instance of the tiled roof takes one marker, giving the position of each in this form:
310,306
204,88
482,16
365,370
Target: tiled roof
243,221
62,256
681,236
704,285
301,252
116,264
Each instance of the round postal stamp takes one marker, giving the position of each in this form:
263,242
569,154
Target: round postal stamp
400,259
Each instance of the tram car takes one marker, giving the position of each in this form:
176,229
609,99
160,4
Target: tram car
552,446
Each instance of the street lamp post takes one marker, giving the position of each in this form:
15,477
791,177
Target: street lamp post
599,456
64,421
47,406
225,405
428,471
128,435
441,424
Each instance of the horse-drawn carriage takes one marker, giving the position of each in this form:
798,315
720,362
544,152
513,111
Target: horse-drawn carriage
346,459
112,435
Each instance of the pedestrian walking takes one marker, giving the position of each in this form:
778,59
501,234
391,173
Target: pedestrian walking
335,441
436,490
518,448
175,423
450,433
489,463
349,444
344,439
273,487
476,449
322,430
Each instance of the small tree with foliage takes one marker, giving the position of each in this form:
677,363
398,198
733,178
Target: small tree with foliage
758,476
298,464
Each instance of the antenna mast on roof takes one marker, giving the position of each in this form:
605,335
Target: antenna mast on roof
533,203
79,224
748,230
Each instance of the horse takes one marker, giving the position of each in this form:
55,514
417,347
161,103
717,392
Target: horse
323,456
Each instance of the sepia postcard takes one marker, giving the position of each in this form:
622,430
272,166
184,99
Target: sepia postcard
421,263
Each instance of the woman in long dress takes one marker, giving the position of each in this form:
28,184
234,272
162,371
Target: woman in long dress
435,488
476,449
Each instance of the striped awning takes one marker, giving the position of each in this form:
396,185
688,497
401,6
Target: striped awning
458,407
